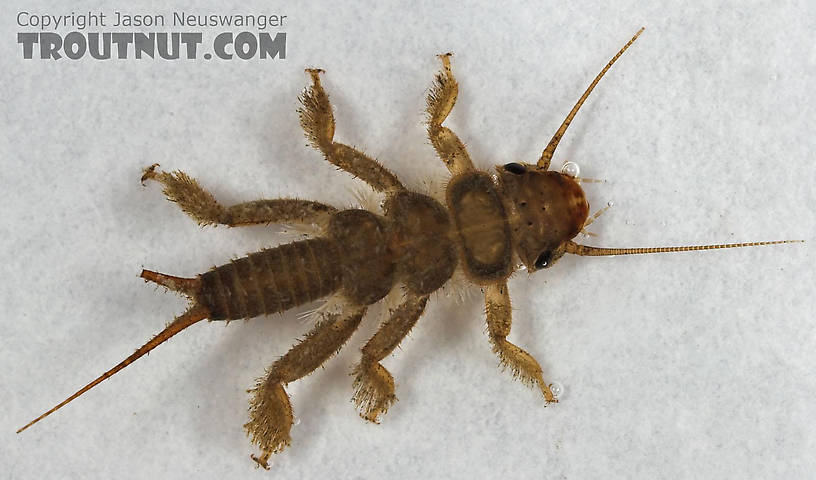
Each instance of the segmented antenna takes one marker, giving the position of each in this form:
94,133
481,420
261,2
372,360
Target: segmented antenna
587,251
547,154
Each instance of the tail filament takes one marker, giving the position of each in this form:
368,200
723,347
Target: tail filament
193,315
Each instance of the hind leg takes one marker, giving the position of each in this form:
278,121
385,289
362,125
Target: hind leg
270,413
317,120
373,385
204,209
440,101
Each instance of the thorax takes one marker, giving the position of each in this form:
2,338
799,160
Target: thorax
421,240
481,226
411,244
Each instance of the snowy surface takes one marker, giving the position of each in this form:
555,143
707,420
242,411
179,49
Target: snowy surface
676,366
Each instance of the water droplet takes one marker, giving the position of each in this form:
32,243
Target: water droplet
570,169
610,203
296,421
557,389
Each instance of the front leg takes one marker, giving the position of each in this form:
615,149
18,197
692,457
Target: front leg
499,320
440,100
373,385
317,120
204,209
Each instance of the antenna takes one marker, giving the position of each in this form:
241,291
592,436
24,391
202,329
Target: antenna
587,251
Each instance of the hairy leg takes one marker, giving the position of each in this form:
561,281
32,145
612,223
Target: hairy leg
499,320
440,101
373,385
270,413
204,209
317,121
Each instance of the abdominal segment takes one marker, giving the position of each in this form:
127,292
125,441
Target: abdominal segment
272,280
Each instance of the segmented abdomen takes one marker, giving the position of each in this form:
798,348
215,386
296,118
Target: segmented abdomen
272,280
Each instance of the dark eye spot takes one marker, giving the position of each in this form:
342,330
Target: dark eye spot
515,168
544,260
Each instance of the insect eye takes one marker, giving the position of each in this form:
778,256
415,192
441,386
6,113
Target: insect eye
544,260
515,168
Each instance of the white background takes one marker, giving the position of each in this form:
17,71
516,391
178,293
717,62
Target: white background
674,366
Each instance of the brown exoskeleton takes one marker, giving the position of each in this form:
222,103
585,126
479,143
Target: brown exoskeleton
488,225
